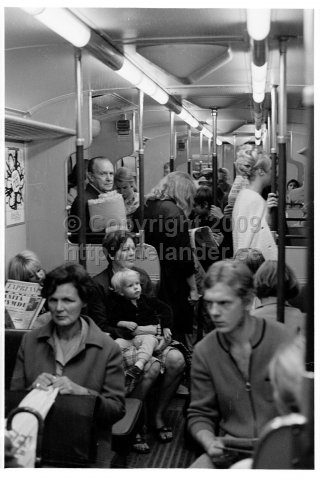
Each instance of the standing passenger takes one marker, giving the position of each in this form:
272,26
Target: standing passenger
100,180
166,213
125,184
250,215
231,395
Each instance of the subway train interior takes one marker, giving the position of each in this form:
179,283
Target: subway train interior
144,87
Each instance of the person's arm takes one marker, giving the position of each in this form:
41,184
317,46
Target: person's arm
193,295
203,413
145,330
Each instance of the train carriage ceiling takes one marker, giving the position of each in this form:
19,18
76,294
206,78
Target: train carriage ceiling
200,56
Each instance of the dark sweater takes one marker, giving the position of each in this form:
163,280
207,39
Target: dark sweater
149,311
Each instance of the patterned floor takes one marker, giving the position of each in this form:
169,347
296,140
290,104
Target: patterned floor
175,454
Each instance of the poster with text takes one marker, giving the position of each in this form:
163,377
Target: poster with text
14,186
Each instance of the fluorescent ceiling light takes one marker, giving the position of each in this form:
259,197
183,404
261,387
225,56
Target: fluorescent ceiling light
132,74
64,23
206,132
257,133
258,23
259,77
188,118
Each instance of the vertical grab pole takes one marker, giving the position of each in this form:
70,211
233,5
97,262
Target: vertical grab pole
189,150
273,153
141,165
80,161
214,156
172,137
282,138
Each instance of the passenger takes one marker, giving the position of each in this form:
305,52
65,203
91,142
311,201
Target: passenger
266,285
169,365
26,267
205,214
166,168
231,396
286,372
292,184
166,223
251,257
141,320
50,356
125,184
223,177
250,213
100,180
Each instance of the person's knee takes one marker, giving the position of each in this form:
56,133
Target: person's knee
175,361
153,372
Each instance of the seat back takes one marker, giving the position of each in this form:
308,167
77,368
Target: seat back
13,340
282,445
147,259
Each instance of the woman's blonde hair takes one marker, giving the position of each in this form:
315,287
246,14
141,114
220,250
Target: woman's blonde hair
177,186
250,159
286,372
23,266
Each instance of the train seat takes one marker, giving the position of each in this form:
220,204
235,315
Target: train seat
147,259
282,445
123,431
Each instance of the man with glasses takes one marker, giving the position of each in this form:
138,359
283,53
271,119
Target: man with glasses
100,180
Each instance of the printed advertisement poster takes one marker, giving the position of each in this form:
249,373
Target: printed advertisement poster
14,186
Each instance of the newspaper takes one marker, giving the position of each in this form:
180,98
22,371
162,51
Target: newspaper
23,302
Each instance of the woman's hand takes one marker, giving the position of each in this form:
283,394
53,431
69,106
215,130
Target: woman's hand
66,386
218,237
167,335
44,381
272,200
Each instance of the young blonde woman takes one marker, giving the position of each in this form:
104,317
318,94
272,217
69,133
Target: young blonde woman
250,215
124,182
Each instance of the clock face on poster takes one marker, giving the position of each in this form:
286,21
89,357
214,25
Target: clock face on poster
14,186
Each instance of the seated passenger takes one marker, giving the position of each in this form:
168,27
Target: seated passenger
64,353
252,257
141,320
231,395
286,371
125,184
100,180
266,285
168,367
26,267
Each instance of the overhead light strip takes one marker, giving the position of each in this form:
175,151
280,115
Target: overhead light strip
68,26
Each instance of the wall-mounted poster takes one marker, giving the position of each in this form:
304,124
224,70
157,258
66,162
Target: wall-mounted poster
14,186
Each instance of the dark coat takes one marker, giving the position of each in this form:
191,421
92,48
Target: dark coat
100,302
167,229
90,193
97,367
149,311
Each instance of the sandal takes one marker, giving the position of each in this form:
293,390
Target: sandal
164,434
140,445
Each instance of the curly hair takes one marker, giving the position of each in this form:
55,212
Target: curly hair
250,159
177,186
73,273
266,281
